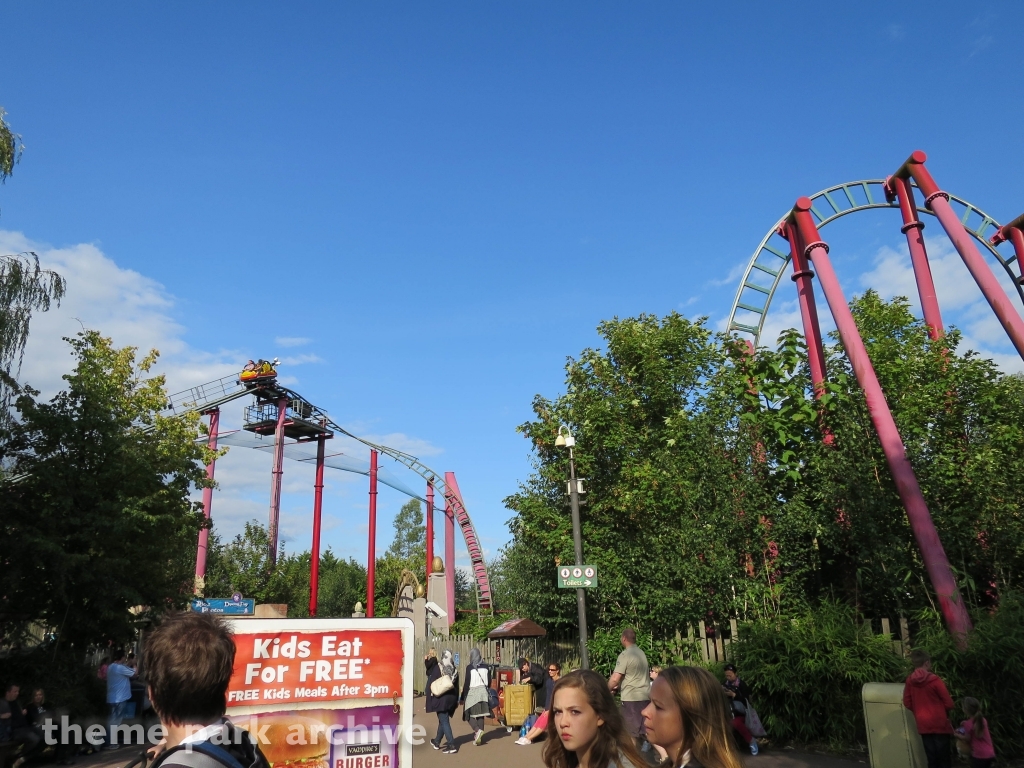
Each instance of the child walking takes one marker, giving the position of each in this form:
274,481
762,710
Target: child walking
974,731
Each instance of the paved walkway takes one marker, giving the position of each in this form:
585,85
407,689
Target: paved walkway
500,750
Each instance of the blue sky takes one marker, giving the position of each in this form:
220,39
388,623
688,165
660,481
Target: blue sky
423,209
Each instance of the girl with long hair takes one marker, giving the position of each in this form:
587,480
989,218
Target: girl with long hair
974,731
585,729
687,717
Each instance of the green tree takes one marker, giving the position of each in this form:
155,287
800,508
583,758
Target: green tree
10,148
98,523
242,565
25,287
410,533
713,491
671,506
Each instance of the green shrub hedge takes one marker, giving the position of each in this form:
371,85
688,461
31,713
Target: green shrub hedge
807,673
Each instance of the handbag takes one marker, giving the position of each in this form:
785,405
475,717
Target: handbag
492,698
753,723
442,685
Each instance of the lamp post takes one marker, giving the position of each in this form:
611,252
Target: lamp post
566,440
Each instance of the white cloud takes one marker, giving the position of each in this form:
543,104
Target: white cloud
291,341
301,359
734,274
961,302
129,307
406,443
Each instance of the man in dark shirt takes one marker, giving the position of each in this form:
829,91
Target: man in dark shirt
16,726
535,675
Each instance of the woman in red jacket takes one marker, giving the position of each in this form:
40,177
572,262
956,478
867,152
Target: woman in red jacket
926,696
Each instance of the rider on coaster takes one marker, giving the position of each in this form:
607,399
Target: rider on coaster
261,369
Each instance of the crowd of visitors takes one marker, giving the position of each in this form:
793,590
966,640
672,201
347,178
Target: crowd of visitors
682,713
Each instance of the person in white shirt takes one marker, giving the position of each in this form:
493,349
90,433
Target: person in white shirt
119,693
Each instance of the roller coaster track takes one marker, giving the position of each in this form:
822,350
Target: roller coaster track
771,257
206,397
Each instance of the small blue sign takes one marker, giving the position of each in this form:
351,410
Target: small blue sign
224,605
456,659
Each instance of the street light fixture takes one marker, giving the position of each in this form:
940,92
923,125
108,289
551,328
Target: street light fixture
566,440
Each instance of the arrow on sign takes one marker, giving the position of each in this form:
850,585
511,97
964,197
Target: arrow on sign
587,582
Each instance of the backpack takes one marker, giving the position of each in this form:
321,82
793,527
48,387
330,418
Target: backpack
203,754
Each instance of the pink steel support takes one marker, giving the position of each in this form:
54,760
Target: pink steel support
318,497
802,275
476,553
449,552
1014,233
276,477
938,202
913,228
204,535
934,555
430,528
371,558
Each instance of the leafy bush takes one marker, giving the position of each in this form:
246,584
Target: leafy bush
606,645
991,668
807,673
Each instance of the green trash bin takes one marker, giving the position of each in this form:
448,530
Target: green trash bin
893,740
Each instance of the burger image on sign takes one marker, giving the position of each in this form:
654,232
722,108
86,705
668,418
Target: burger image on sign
292,741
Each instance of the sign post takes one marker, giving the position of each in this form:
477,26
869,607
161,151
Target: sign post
577,577
334,692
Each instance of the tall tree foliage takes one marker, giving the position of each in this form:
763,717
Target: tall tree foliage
25,287
713,493
410,533
242,565
10,147
97,513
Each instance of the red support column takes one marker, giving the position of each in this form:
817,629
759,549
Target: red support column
449,558
204,535
430,528
802,275
913,228
938,202
934,556
1014,233
276,478
318,497
371,558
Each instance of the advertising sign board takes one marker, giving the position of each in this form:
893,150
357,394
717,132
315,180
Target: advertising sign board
325,693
